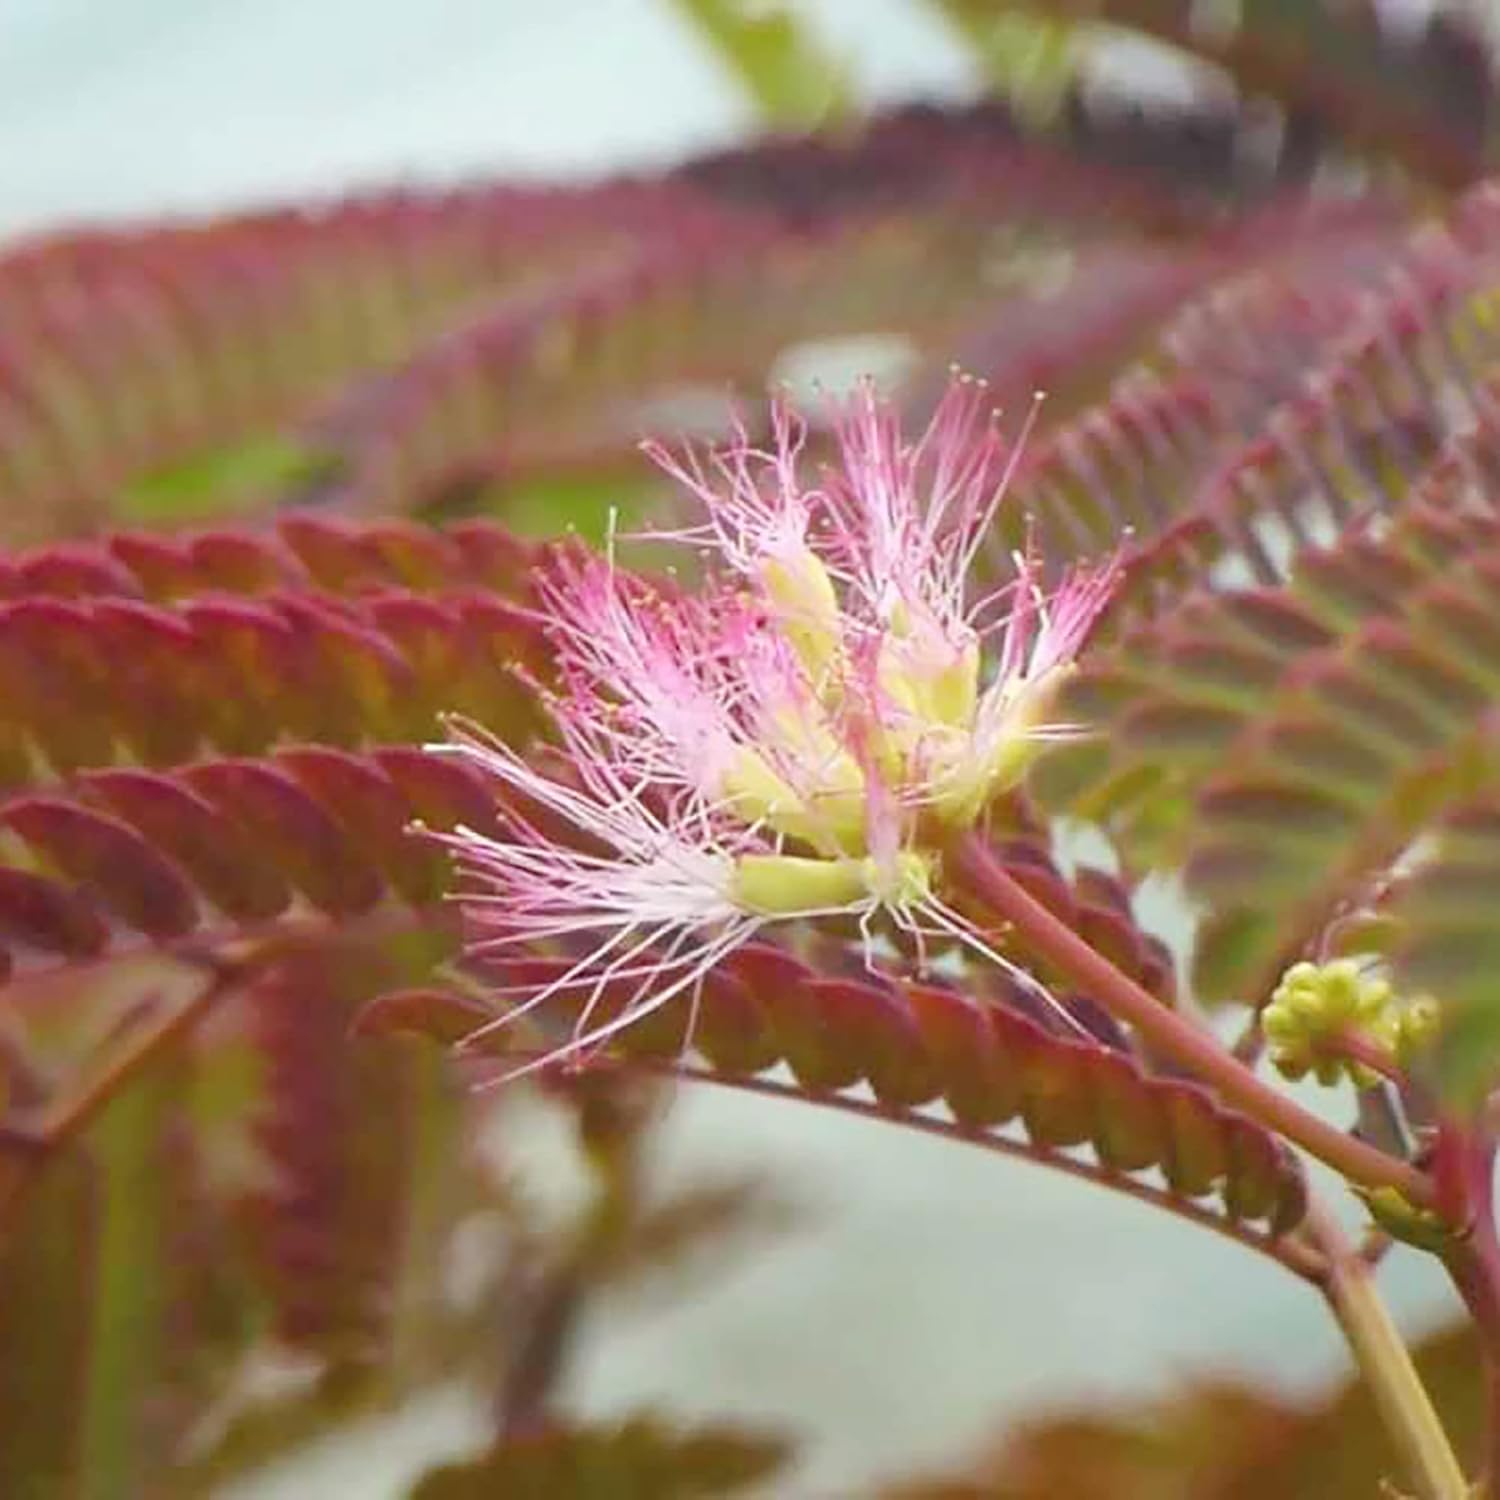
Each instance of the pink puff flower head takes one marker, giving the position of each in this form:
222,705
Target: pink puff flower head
793,740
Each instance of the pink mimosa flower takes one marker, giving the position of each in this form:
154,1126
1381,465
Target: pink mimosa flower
755,506
908,518
778,745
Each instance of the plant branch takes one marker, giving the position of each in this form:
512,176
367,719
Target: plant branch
1383,1359
551,1285
1187,1044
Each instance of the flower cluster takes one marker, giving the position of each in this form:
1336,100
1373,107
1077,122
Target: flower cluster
796,738
1318,1011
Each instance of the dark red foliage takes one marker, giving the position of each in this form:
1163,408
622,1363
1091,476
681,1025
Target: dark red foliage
91,679
222,847
915,1045
335,1126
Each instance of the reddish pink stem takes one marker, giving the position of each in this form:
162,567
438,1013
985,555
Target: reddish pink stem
1474,1264
1189,1045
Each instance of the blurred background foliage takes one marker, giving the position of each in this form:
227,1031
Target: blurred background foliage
229,1224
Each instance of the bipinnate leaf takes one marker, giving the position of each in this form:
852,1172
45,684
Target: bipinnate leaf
1155,356
338,1125
1177,690
398,348
262,1183
1445,938
982,1058
228,852
1245,318
1287,743
562,375
1278,410
108,678
297,551
227,333
988,1052
642,1456
122,1300
210,754
1361,748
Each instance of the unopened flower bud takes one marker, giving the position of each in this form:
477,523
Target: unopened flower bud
1313,1005
935,682
756,792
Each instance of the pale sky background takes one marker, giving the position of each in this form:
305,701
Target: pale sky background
940,1289
129,106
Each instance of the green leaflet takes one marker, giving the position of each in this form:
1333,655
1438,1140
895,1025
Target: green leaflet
790,76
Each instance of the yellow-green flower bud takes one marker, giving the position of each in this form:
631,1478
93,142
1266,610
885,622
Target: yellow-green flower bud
936,682
1313,1005
756,792
781,884
790,885
953,690
999,753
827,807
807,608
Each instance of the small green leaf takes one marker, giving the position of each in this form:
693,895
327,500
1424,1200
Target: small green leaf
1029,58
212,483
791,78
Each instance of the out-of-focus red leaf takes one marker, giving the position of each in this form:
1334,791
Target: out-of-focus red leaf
640,1457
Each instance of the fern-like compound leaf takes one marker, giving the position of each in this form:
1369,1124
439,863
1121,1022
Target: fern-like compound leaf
980,1057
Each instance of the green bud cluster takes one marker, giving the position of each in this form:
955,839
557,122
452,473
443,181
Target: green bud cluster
1315,1003
1416,1028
